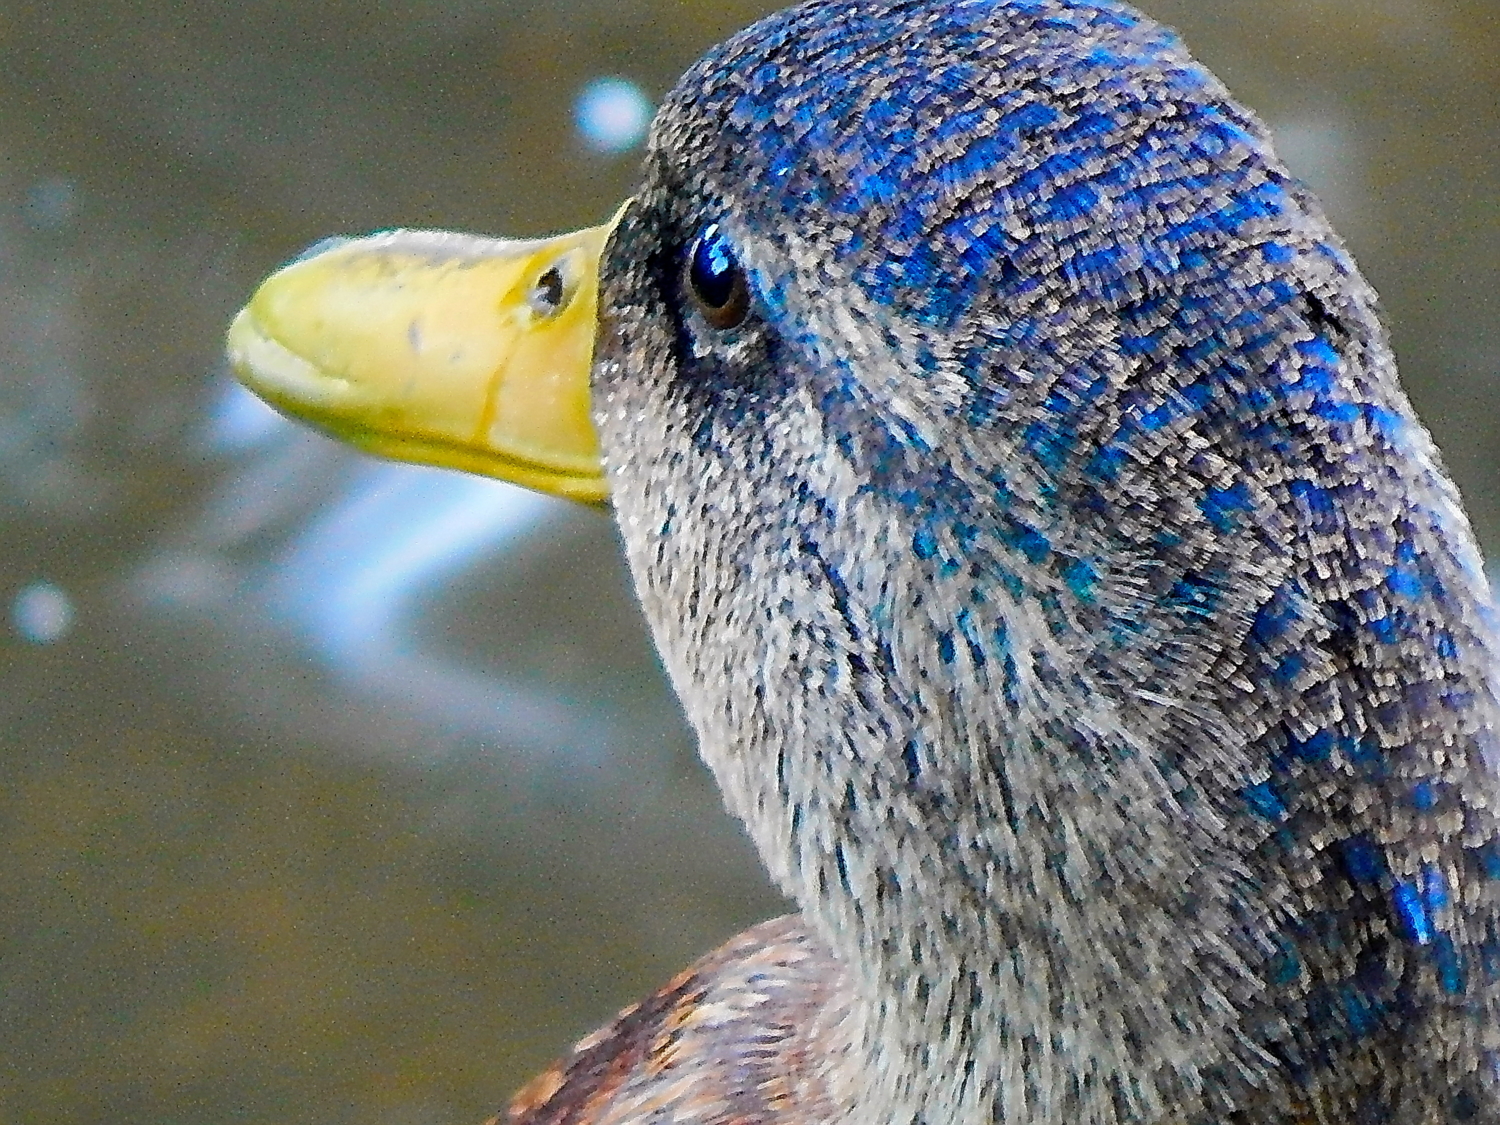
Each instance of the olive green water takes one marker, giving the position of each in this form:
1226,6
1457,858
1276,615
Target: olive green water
317,802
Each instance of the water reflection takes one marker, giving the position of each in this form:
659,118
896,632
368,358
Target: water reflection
611,114
349,581
42,613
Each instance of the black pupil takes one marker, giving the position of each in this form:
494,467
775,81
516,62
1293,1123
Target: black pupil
714,273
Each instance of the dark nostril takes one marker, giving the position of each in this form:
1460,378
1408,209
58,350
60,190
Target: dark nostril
546,297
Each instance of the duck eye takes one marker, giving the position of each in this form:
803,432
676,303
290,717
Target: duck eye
716,280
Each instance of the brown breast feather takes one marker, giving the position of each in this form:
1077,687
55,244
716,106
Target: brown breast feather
733,1039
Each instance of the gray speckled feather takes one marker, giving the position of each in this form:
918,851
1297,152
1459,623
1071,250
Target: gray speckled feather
1060,585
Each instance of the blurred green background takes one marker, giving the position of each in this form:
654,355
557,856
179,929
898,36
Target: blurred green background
335,792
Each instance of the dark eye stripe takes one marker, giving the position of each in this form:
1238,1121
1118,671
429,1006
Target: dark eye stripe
716,281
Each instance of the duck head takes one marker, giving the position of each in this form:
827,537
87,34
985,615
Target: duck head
1016,482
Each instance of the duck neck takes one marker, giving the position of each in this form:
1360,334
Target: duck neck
1054,874
1055,855
973,826
1011,914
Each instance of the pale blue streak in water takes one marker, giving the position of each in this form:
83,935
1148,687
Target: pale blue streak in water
240,421
369,546
398,532
351,583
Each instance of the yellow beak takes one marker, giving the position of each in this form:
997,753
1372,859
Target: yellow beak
444,349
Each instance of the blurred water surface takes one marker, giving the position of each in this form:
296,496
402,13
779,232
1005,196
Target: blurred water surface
342,792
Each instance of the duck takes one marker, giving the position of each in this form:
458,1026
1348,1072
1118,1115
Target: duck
1016,480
